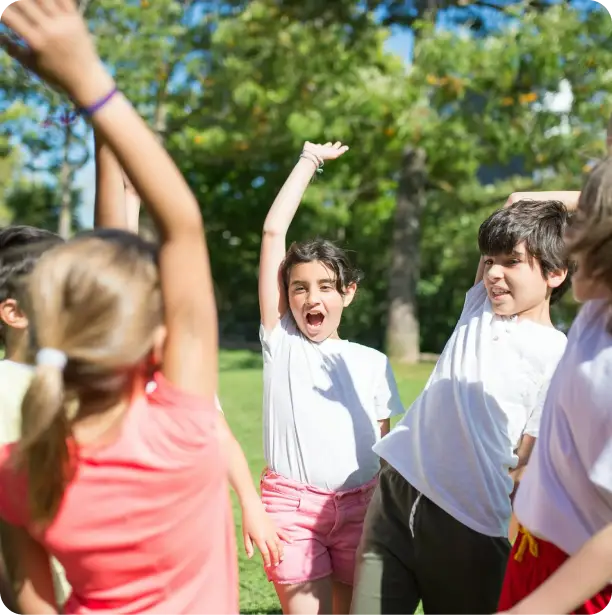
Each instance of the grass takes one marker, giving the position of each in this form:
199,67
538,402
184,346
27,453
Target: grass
241,395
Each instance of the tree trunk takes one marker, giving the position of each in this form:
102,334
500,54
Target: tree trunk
66,176
403,322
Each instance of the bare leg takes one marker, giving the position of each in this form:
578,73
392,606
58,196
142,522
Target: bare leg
342,597
310,598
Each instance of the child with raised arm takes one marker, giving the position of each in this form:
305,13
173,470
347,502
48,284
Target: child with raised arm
437,528
127,489
117,208
562,560
326,403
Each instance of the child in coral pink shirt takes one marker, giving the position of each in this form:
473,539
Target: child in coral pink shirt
128,490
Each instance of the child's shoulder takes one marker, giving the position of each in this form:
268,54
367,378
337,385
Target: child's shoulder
542,347
367,354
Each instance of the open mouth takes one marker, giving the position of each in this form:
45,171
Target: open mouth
315,319
498,293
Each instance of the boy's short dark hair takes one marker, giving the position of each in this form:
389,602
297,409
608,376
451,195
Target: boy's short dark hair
20,249
541,225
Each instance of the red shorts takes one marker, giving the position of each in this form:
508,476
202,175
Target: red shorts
531,562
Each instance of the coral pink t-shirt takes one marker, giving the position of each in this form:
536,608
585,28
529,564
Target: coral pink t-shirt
146,525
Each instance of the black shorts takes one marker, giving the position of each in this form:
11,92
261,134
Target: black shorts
412,551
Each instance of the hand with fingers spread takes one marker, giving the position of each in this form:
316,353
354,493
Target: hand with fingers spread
258,529
58,47
320,153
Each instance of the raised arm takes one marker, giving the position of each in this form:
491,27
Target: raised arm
117,205
60,49
272,301
568,197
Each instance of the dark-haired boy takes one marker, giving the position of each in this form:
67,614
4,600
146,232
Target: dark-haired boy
437,527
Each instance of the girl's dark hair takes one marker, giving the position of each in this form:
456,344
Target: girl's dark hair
325,252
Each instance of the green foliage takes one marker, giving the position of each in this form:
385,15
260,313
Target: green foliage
271,81
37,204
8,163
235,88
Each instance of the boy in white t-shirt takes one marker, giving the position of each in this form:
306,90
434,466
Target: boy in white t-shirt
436,530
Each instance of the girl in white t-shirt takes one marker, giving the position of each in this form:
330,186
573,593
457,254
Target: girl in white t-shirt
562,559
326,403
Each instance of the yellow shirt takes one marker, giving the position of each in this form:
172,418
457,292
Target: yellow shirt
14,382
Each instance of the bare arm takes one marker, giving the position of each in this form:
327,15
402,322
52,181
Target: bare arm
190,357
109,211
60,48
257,527
272,302
239,471
523,453
117,204
30,570
568,197
385,427
581,577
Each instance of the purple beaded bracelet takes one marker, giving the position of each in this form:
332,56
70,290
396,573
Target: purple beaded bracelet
98,105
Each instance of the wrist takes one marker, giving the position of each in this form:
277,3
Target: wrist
314,159
250,500
92,89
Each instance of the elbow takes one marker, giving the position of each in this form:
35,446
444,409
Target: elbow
271,232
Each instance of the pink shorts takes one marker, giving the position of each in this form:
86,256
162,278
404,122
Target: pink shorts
325,528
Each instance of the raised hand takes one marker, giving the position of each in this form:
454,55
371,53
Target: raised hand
58,47
328,151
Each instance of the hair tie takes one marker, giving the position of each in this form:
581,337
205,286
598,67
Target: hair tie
51,357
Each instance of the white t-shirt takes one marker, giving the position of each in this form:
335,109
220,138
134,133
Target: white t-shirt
322,404
566,494
14,382
457,442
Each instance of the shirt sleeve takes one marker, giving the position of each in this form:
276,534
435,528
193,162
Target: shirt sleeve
271,341
475,300
387,401
533,422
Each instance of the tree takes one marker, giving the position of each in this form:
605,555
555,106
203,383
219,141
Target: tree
143,48
490,102
40,205
269,84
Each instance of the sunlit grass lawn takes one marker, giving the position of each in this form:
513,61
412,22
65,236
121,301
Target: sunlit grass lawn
241,395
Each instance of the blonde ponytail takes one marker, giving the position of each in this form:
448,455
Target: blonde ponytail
43,452
94,306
